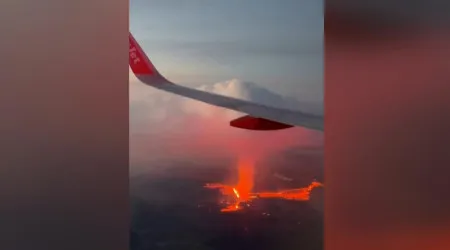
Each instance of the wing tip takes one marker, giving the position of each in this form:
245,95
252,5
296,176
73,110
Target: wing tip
139,63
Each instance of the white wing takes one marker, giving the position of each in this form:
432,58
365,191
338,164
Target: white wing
147,73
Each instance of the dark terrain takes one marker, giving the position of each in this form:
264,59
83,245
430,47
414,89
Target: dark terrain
172,210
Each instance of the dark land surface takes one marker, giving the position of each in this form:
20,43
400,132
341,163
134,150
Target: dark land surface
172,210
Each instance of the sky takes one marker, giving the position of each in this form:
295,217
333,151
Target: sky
262,51
275,44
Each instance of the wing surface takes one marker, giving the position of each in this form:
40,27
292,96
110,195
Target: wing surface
145,71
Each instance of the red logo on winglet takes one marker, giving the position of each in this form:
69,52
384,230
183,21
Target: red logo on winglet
140,65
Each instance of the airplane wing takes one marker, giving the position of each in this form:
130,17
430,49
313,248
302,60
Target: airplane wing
260,117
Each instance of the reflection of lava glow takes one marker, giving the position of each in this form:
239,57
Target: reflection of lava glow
242,192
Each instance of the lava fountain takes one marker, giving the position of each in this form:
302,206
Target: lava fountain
242,192
246,171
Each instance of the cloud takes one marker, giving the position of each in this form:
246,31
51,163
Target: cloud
150,104
232,88
163,125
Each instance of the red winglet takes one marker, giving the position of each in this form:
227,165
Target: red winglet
139,62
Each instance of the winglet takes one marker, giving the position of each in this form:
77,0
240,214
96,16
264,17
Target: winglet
140,64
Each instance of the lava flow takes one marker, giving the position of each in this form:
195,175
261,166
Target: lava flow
242,192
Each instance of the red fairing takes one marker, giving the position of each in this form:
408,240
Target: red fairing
252,123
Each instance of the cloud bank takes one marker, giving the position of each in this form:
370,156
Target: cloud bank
163,125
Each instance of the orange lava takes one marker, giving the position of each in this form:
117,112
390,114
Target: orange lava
242,191
300,194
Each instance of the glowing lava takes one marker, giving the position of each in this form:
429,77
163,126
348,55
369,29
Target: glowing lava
242,192
246,168
300,194
236,193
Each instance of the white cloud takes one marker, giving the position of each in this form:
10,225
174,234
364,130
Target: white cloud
167,126
233,88
149,105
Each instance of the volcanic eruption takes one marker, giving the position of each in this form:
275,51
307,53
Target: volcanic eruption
242,192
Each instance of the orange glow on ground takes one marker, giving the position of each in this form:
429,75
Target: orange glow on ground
242,191
300,194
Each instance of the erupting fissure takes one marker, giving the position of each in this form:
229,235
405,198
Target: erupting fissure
242,192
